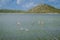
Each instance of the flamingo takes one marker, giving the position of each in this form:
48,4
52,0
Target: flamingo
26,29
18,23
40,22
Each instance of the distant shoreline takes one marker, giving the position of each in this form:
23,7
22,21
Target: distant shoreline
29,13
39,9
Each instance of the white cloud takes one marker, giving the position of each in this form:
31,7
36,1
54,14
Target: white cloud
19,1
28,5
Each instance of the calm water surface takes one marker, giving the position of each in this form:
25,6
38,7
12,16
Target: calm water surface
29,26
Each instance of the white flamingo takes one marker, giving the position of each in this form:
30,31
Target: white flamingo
26,29
40,22
18,23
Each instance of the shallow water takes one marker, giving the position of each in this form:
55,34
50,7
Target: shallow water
29,27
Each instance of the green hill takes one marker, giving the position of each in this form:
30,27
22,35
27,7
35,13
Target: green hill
11,11
44,8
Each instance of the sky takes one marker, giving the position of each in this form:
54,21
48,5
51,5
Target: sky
26,4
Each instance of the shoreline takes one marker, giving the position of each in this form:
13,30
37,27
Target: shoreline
29,13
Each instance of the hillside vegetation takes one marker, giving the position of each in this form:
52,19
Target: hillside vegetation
11,11
44,8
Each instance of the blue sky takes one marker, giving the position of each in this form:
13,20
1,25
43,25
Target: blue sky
26,4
